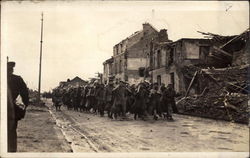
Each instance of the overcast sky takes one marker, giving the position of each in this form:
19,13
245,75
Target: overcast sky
79,36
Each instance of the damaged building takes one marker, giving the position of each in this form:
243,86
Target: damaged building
168,58
131,54
221,92
169,62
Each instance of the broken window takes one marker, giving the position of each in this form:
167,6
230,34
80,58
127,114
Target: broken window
204,51
192,50
171,56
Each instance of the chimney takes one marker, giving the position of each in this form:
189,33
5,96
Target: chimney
146,27
163,35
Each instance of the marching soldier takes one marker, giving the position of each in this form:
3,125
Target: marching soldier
16,87
100,97
120,96
108,98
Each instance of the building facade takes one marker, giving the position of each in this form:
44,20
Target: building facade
108,74
168,59
132,53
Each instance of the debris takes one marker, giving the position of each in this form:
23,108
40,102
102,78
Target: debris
191,83
224,95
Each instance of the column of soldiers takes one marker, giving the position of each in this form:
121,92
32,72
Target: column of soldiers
142,100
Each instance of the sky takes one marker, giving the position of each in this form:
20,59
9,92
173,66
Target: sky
79,35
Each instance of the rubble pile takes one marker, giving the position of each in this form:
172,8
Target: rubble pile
225,95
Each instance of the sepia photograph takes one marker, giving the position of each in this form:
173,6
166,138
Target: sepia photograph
125,79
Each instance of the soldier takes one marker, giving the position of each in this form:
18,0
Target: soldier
140,101
56,99
155,101
100,97
94,101
83,99
89,98
171,97
108,98
120,95
66,99
78,98
16,86
130,98
168,100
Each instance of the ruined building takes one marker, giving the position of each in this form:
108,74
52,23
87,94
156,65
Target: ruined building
131,55
168,58
171,62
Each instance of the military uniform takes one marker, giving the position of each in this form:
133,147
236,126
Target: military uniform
140,105
120,97
108,99
169,95
16,86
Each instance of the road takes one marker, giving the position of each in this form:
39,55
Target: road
92,133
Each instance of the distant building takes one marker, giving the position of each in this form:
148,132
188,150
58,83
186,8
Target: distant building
74,83
131,54
108,74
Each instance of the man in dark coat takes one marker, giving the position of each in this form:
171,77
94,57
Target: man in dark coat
139,107
154,96
16,87
120,98
57,99
108,98
171,97
168,101
83,99
100,97
66,99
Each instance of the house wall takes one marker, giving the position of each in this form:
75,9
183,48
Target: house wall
185,52
135,63
191,49
131,54
166,77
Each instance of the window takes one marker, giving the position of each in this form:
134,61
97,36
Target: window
204,51
120,66
172,78
151,60
171,56
158,58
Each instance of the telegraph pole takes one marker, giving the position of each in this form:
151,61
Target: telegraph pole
40,64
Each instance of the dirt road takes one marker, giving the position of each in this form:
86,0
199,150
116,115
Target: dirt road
92,133
38,132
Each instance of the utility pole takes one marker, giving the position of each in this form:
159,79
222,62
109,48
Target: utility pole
40,64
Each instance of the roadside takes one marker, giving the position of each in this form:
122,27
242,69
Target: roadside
38,132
